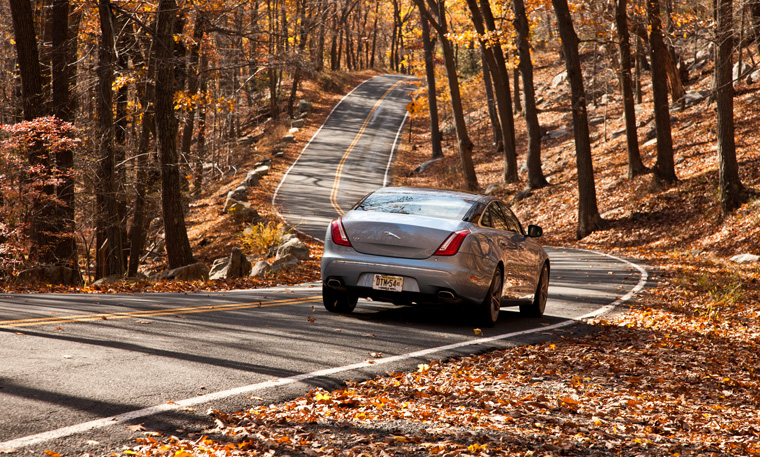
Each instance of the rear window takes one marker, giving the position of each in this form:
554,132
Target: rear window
420,204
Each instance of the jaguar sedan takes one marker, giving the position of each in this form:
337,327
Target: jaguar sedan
409,246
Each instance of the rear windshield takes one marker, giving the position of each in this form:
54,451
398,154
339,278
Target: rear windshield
423,204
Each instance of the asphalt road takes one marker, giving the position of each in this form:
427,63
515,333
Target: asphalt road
76,370
348,157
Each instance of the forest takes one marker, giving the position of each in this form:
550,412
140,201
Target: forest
118,114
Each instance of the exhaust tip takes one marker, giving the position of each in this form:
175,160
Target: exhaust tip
334,283
446,295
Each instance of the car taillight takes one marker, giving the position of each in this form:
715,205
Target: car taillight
453,243
339,233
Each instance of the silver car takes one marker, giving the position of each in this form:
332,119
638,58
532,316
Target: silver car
431,246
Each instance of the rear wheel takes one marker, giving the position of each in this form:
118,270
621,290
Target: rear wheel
491,306
337,301
538,305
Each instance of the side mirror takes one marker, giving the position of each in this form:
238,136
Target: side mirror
534,231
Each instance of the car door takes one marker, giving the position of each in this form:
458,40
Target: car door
529,252
508,251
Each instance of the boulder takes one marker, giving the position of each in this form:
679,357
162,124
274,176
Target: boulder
745,258
287,237
495,188
251,179
289,138
262,170
243,211
294,247
219,269
651,133
284,262
617,133
754,77
297,123
51,274
738,73
193,272
261,268
234,266
240,193
304,106
239,266
249,140
692,98
522,195
559,133
425,165
108,280
559,79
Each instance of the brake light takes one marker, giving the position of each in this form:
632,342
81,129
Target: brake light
339,233
452,244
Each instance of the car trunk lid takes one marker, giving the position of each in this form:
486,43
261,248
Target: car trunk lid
397,235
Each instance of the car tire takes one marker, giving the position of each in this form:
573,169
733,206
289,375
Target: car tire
491,306
538,305
337,301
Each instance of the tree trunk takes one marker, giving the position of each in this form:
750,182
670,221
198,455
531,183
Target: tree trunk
374,36
754,9
516,98
428,47
201,153
28,59
493,113
178,248
637,70
664,168
319,57
635,165
589,219
63,108
140,221
503,95
730,186
199,31
536,177
110,260
674,76
437,19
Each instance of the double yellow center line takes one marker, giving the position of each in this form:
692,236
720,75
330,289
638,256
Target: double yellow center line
342,163
159,312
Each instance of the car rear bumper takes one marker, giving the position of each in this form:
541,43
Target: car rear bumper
454,279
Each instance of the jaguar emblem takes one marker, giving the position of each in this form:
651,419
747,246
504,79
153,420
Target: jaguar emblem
393,235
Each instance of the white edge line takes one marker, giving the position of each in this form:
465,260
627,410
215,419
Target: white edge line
393,149
13,445
277,190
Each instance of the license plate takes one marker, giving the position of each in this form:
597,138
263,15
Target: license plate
389,283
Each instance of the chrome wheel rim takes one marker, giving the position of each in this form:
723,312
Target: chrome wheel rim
496,297
543,289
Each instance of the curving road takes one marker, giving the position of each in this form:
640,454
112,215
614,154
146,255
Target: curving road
348,157
77,370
